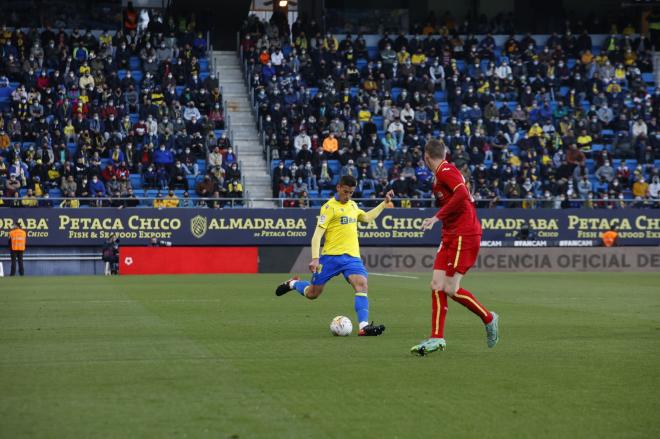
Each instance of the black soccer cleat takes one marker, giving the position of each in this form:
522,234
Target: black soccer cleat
371,330
285,287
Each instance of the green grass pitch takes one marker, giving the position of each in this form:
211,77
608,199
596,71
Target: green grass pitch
221,357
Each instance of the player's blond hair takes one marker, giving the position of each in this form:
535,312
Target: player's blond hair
436,149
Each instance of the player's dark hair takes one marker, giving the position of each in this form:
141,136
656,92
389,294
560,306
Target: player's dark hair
436,149
348,180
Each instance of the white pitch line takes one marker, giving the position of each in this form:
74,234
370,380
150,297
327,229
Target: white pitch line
393,275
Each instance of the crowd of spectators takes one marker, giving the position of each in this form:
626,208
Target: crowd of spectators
104,118
557,121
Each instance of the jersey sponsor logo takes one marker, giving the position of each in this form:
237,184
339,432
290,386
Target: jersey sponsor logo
322,219
347,220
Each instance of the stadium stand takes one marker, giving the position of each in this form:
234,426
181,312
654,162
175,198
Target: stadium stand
132,117
549,121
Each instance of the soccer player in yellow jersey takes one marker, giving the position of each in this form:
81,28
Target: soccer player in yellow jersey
341,252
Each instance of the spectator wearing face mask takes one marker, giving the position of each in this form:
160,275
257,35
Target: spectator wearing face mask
96,187
163,157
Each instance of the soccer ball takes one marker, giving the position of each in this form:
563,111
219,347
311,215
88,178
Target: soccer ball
341,326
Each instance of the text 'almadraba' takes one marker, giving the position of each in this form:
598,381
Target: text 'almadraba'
137,222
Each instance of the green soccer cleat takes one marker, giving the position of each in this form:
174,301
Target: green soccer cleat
493,331
429,345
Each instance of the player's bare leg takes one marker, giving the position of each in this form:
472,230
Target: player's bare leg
436,341
309,291
464,297
361,288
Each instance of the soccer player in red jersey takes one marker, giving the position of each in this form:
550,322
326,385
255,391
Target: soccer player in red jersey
459,247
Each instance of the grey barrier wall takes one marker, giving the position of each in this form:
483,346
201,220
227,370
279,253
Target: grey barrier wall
420,259
58,261
45,261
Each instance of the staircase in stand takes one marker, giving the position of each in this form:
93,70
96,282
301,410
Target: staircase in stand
242,125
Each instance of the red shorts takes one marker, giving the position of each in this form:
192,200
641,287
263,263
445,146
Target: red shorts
457,254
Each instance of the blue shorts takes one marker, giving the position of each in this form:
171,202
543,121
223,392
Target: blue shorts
331,266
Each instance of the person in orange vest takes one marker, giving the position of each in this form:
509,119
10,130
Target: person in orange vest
17,238
609,237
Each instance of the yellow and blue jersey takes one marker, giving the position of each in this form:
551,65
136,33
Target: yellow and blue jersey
340,222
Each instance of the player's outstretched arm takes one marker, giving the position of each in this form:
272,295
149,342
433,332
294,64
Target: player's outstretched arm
428,223
368,217
316,248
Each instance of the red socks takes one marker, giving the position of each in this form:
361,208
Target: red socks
465,298
439,300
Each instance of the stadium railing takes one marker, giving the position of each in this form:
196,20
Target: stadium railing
143,202
311,202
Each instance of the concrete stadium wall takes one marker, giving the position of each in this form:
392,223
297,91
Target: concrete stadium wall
58,261
420,259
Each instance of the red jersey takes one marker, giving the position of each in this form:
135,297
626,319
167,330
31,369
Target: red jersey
457,212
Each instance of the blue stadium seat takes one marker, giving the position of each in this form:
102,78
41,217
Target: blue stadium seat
5,92
136,181
378,120
137,75
134,63
204,64
591,166
439,96
596,147
648,78
372,52
631,163
334,166
514,149
396,91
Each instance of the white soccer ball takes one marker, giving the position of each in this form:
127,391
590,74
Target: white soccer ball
341,326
